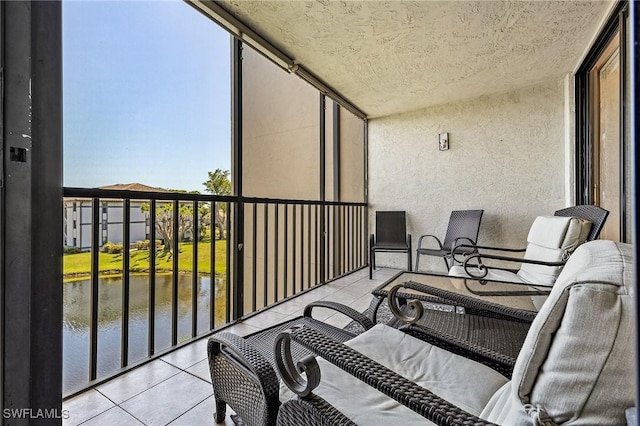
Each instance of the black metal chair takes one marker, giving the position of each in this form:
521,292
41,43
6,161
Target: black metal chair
473,260
463,228
594,214
391,236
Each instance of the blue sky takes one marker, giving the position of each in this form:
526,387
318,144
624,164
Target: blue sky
146,94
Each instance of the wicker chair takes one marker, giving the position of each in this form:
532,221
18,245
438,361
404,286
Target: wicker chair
463,228
572,368
242,368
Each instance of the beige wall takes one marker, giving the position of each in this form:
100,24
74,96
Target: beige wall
506,156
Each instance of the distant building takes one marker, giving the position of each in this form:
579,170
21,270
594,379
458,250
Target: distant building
77,218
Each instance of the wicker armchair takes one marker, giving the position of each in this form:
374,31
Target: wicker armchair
242,368
576,365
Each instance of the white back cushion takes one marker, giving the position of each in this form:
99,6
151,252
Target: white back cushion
551,239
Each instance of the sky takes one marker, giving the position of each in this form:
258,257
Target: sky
146,94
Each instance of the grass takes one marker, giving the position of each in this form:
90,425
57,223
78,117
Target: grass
79,265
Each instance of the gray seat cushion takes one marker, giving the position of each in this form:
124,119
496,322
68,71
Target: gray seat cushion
461,381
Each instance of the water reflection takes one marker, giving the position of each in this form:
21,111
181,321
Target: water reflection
76,304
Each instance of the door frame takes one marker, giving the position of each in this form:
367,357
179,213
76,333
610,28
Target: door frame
585,134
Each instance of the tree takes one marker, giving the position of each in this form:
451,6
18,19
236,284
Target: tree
219,184
164,221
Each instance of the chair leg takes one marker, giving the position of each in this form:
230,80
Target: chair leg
417,261
446,264
409,252
221,411
372,262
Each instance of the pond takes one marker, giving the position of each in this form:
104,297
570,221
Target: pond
76,311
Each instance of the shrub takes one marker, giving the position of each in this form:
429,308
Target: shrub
141,245
71,250
112,248
144,245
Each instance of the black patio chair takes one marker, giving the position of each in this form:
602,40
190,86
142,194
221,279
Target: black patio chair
391,236
548,248
463,228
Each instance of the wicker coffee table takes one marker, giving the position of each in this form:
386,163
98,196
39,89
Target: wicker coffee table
464,314
456,294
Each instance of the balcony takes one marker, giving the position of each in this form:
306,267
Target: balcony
176,388
510,88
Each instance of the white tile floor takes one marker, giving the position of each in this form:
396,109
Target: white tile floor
176,388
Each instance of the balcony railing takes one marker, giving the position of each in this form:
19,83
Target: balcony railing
271,250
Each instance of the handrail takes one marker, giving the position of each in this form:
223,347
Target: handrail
289,246
71,192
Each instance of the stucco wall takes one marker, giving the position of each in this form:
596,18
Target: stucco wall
506,156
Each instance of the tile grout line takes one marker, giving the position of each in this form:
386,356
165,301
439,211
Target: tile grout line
200,402
173,375
335,289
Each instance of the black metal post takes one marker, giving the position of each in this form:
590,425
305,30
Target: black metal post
302,247
238,213
286,249
175,252
254,252
317,243
152,278
309,246
228,278
336,152
126,248
212,260
364,239
195,234
95,271
294,237
322,232
266,254
276,238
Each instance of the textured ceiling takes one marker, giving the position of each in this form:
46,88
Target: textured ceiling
388,57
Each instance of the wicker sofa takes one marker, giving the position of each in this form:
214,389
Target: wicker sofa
576,365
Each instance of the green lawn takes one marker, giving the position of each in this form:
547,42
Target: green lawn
79,265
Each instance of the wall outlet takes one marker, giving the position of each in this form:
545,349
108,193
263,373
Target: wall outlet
443,141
